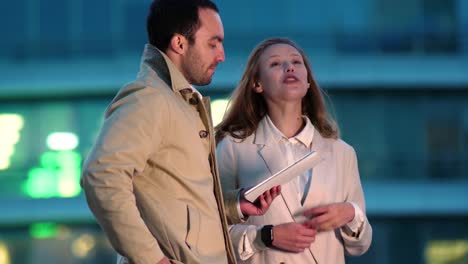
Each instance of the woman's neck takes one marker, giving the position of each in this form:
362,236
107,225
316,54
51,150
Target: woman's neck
288,120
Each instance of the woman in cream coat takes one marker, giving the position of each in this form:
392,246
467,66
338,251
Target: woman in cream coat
276,115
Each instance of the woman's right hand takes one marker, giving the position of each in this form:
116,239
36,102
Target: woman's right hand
261,205
293,237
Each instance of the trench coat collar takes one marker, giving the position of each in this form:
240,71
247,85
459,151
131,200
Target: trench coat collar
155,62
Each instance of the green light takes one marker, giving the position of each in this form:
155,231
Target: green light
59,176
10,126
218,107
69,159
49,160
69,174
41,183
43,230
62,141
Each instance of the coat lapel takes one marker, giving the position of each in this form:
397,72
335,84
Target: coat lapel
324,146
274,160
205,113
271,154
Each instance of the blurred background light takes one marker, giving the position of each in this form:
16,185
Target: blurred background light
10,127
43,230
446,252
14,121
4,254
62,141
83,245
218,107
59,176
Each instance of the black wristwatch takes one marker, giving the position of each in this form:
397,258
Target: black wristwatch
267,235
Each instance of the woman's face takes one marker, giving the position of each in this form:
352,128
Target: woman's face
282,74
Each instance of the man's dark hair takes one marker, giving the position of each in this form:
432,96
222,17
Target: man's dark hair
167,17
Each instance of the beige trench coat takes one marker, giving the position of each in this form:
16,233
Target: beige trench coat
151,178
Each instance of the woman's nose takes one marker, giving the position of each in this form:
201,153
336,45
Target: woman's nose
289,67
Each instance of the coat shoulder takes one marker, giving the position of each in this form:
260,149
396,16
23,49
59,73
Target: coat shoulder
342,145
343,149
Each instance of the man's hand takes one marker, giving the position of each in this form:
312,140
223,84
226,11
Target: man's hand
293,237
164,260
261,205
330,217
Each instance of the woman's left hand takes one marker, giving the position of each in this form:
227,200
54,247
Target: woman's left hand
330,217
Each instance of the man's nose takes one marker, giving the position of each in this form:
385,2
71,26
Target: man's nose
220,57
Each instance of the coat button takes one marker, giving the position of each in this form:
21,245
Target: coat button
193,100
203,133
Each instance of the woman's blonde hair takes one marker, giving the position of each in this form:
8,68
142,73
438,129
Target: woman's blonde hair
246,107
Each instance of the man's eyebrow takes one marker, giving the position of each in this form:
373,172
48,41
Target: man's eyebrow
218,38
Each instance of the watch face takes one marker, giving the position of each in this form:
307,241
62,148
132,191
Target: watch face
267,235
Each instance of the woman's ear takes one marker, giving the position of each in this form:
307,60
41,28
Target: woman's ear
178,44
257,87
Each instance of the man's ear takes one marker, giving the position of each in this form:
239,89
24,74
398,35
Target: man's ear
178,44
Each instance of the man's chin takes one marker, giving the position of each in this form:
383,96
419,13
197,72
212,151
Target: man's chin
204,81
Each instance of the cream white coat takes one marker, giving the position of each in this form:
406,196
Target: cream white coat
335,179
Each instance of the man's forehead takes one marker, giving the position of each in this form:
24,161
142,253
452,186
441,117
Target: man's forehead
210,24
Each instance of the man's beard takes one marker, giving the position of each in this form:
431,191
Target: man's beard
194,70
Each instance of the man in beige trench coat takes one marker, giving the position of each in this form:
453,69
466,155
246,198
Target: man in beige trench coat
151,178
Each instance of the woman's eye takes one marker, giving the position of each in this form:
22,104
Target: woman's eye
273,64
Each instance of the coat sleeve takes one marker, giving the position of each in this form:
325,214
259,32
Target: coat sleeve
131,131
355,245
227,166
243,236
